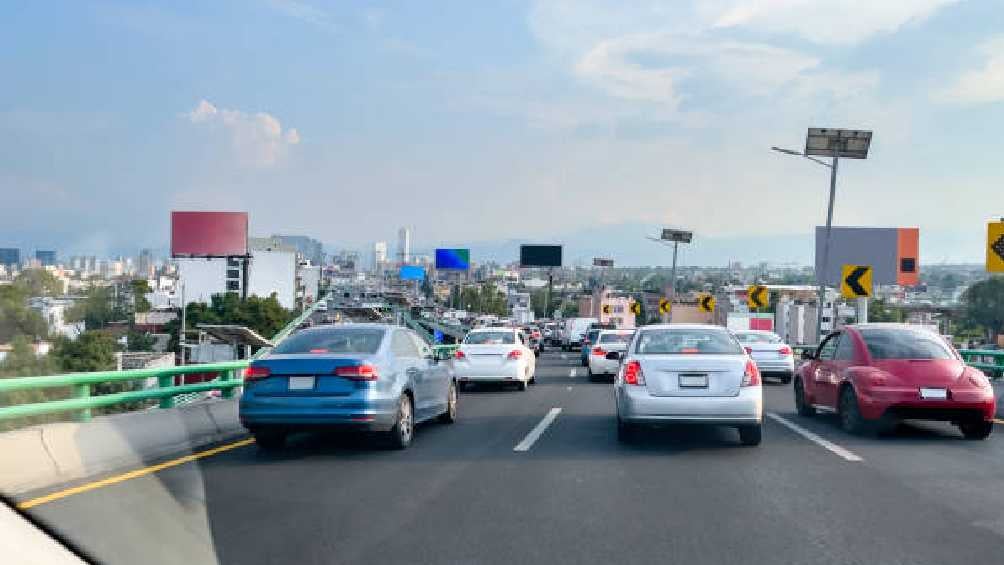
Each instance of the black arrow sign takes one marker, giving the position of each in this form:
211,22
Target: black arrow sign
998,247
853,281
758,296
706,303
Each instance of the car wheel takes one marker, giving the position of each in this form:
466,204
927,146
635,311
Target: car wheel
751,435
626,432
589,373
976,429
404,428
851,419
450,415
801,404
270,438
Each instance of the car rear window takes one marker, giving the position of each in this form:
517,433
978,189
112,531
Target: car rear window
490,338
757,338
333,340
670,341
615,338
900,343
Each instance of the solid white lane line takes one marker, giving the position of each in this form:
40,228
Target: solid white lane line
537,431
571,373
818,440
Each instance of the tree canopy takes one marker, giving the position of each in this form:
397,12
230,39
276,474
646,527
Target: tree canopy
984,305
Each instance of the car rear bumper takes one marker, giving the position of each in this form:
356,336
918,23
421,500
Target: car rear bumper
636,405
603,366
372,414
905,403
776,366
510,372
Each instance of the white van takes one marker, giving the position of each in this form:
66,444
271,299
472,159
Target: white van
572,331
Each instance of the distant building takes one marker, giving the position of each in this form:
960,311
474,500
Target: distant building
609,306
308,247
45,258
379,255
144,264
53,311
10,257
404,245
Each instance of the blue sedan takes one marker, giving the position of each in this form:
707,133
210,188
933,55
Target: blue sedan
368,377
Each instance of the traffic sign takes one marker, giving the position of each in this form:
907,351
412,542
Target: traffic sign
856,281
995,247
636,308
665,306
606,308
706,302
757,296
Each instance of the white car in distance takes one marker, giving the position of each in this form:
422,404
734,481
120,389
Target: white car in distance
773,357
498,355
605,355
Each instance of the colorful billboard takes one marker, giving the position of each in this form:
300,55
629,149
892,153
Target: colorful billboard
209,234
411,273
892,253
539,255
453,259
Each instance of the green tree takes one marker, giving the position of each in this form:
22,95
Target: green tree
984,305
39,282
879,311
139,288
91,351
16,317
97,309
21,361
263,315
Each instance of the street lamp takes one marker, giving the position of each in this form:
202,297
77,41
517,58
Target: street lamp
677,237
834,143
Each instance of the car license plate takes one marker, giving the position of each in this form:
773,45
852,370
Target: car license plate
301,383
693,381
934,393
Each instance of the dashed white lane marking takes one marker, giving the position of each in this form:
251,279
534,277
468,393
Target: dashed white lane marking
571,373
564,356
818,440
568,387
537,431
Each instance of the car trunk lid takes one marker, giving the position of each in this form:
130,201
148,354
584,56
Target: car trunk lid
307,375
693,374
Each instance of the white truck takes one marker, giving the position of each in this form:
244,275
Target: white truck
572,331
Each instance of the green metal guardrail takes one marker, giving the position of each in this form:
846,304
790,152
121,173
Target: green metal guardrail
989,361
230,376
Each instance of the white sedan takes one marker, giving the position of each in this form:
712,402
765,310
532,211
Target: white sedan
605,355
498,355
772,355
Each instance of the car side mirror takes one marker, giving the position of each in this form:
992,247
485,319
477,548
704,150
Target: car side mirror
614,355
808,355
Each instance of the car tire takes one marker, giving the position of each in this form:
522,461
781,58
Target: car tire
851,419
976,430
626,433
801,404
450,416
401,434
269,439
751,435
589,374
521,385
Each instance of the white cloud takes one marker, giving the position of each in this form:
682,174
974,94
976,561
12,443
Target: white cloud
256,139
833,22
306,13
983,85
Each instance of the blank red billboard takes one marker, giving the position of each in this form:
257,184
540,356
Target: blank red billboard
209,234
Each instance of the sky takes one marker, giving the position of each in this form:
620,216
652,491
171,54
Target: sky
582,122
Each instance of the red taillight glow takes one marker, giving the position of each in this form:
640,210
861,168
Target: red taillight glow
599,351
357,372
690,350
256,372
633,374
749,350
751,377
459,354
514,354
785,350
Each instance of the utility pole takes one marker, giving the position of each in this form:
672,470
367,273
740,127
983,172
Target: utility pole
181,337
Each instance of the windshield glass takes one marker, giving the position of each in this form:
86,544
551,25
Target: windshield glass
333,340
904,344
672,341
756,337
490,338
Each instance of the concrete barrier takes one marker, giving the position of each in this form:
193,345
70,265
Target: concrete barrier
53,454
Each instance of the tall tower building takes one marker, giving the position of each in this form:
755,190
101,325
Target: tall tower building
379,254
404,245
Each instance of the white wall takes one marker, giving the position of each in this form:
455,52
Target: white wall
310,278
273,271
202,278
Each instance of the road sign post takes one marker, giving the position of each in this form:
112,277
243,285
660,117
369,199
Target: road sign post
757,296
677,237
856,281
995,247
706,302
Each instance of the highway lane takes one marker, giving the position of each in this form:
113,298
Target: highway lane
461,494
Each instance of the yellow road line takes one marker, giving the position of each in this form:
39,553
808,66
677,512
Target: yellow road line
132,474
998,421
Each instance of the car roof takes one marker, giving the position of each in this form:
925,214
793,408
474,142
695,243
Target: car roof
347,325
493,329
616,331
684,327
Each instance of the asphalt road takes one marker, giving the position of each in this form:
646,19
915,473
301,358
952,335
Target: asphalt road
461,494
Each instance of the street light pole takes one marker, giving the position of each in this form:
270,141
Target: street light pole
820,278
672,275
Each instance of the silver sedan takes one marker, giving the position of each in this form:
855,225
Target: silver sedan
688,373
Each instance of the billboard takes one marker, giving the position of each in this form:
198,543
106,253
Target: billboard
453,259
893,253
209,234
539,255
411,273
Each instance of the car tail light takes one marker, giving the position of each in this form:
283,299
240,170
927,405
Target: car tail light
255,372
785,350
358,372
633,374
599,351
460,355
514,354
749,350
751,377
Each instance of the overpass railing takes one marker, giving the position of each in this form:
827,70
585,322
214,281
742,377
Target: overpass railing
161,384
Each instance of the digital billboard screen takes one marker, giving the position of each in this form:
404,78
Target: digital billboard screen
453,259
539,255
411,273
209,234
